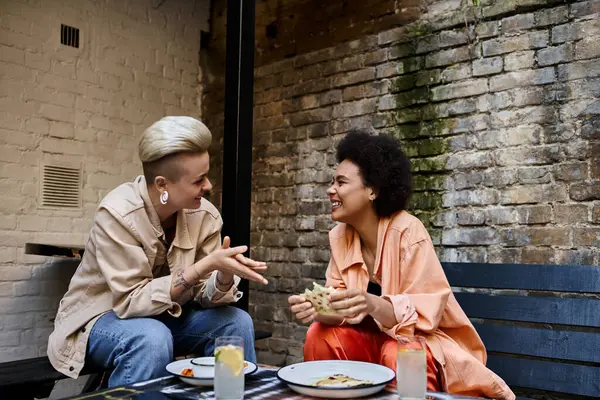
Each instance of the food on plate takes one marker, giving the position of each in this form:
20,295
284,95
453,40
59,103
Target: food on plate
318,298
341,380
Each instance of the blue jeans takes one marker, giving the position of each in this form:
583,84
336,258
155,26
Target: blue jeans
140,348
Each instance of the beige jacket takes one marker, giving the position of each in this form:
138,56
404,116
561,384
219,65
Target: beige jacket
126,268
412,279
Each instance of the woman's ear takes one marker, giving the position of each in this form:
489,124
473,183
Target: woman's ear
161,183
372,194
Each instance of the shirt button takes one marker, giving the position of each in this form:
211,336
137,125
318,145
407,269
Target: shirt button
71,368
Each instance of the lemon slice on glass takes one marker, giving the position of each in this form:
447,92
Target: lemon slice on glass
231,356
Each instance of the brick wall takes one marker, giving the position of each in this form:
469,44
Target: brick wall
497,105
61,105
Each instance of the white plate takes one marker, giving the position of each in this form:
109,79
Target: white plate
176,367
302,376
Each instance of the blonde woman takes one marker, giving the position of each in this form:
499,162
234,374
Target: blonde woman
155,278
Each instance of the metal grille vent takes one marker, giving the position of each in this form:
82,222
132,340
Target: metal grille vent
61,187
69,36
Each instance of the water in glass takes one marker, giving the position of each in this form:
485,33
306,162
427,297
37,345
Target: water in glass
411,374
229,368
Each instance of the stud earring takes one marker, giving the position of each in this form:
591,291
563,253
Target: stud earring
164,197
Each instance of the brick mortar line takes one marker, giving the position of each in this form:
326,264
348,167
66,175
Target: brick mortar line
443,22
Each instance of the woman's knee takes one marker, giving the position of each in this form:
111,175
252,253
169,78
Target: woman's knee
243,319
346,342
242,322
319,332
321,341
315,334
153,338
233,321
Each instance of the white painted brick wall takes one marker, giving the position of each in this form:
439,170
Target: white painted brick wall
136,63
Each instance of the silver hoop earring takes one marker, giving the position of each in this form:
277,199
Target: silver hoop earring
164,197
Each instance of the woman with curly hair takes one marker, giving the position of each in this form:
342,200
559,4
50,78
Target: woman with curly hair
388,279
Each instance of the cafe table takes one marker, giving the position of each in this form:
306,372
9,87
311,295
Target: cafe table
263,384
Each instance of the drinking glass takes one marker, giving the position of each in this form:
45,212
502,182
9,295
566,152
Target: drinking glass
411,374
229,368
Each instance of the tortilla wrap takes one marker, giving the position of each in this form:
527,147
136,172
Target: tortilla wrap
318,298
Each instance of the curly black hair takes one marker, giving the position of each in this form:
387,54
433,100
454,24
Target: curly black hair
383,167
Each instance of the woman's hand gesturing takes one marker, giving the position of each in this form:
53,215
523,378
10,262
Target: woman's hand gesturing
231,260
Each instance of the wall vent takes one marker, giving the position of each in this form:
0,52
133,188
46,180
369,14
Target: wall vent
69,36
61,187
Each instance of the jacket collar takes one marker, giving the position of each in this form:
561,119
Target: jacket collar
349,245
182,236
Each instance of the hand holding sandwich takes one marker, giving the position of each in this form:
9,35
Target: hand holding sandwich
355,304
315,305
334,307
303,309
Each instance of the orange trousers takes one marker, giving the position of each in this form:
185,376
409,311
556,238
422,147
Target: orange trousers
362,342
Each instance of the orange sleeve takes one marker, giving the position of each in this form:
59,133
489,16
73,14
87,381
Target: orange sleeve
424,290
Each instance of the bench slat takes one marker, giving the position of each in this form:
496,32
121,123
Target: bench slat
549,343
550,310
39,370
33,371
259,335
547,375
561,278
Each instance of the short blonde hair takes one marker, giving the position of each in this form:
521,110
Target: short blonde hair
168,137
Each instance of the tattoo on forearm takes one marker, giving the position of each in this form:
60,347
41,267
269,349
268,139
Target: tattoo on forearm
180,281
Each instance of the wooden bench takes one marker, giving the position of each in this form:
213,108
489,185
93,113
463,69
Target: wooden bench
35,377
539,323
